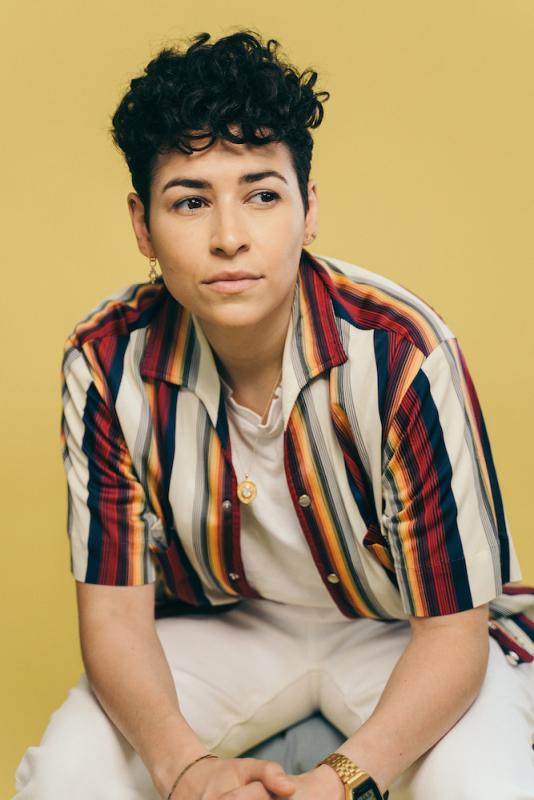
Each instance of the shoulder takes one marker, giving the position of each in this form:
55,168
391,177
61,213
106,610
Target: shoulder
371,301
96,350
119,314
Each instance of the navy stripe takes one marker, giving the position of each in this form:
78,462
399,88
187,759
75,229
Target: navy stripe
168,397
381,350
446,501
222,428
114,375
88,447
502,532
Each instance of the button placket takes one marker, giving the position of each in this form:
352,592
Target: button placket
304,501
232,517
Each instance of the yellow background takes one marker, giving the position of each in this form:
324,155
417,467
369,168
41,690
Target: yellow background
425,170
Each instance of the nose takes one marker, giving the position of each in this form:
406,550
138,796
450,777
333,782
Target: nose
229,233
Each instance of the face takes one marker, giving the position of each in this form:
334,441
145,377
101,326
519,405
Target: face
228,239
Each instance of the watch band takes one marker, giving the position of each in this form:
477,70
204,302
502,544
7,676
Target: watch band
353,776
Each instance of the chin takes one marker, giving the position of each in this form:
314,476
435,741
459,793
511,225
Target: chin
236,316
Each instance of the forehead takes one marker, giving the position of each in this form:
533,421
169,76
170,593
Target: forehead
224,159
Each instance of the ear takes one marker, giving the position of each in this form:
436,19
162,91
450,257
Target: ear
312,217
142,234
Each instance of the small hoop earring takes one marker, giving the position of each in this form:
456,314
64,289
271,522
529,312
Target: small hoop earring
152,273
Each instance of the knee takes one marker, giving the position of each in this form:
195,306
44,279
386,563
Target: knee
80,751
464,781
44,774
86,773
483,787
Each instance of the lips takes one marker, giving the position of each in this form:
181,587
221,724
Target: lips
233,282
229,275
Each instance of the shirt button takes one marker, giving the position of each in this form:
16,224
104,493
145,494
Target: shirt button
227,505
332,578
233,575
304,501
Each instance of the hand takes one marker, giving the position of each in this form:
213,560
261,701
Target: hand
234,779
320,783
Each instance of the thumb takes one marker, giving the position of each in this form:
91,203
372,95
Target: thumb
271,774
276,779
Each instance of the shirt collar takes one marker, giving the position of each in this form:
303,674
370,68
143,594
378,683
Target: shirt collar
177,351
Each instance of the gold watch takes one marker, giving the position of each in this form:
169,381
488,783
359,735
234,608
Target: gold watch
358,784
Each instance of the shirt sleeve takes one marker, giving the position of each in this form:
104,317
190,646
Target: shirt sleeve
443,515
109,522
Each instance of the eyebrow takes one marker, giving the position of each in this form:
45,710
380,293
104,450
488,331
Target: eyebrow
249,177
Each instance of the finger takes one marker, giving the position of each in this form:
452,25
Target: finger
277,780
271,774
252,791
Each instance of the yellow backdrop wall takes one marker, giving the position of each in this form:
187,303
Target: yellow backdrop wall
425,170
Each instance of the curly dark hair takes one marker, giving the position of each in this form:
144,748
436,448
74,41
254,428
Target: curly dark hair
237,79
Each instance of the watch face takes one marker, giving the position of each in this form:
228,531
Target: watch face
368,790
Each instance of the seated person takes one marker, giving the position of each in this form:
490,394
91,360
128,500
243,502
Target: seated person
282,497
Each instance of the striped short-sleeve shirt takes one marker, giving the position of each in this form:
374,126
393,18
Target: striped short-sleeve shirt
386,455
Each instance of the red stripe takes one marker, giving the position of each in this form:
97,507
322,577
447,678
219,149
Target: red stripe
504,639
516,589
526,621
416,460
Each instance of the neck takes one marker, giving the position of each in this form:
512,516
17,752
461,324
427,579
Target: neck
250,360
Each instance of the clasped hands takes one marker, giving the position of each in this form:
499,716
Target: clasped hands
256,779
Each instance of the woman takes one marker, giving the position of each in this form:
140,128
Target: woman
281,457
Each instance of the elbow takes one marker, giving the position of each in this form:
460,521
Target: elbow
483,660
476,675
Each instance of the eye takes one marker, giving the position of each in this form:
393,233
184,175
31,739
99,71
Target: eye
271,198
269,194
188,200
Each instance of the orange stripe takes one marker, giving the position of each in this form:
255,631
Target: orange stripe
136,528
215,467
177,360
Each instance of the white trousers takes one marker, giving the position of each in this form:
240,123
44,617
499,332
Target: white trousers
249,673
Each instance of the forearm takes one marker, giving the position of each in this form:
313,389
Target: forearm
434,682
130,676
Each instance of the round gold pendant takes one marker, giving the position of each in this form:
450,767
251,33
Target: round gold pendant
246,491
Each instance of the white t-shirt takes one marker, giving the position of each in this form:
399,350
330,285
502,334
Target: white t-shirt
277,560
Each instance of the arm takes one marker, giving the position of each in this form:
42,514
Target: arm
117,631
109,521
426,694
437,464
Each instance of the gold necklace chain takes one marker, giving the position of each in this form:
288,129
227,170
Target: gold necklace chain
246,489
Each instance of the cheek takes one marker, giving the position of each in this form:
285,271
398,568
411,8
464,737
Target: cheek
177,254
179,281
180,287
287,228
